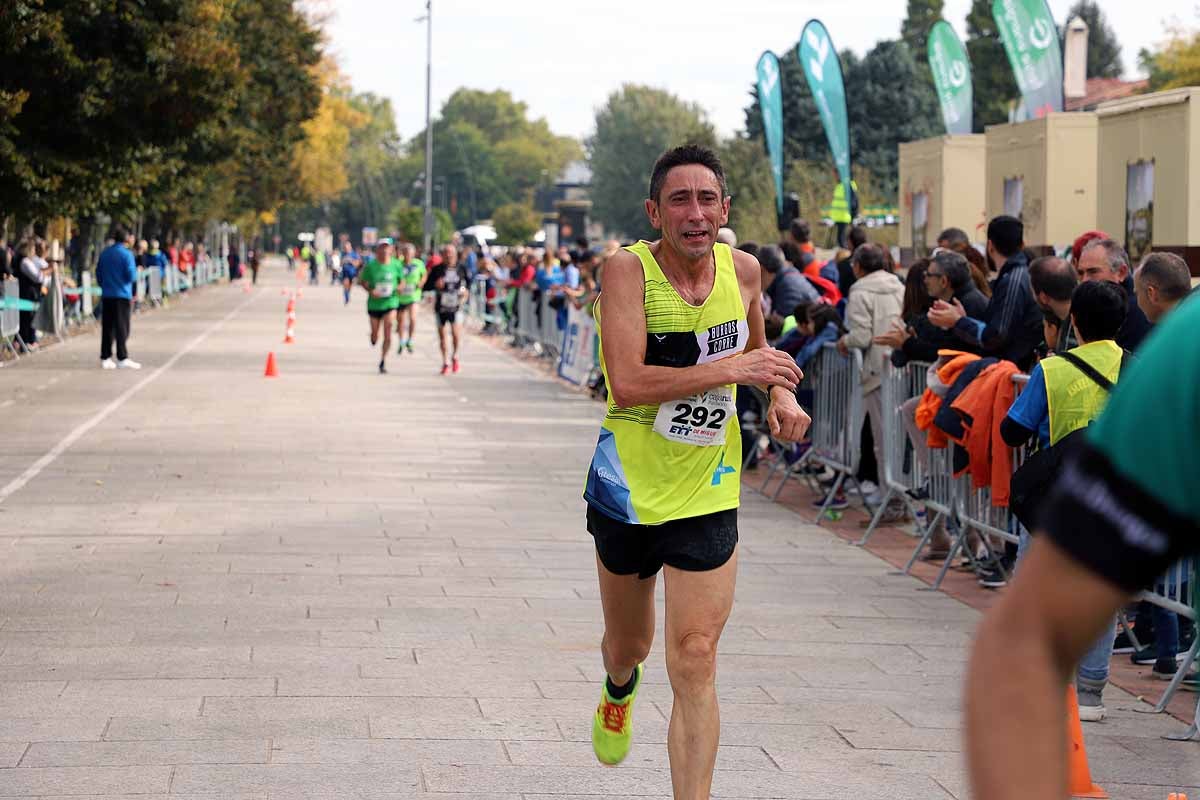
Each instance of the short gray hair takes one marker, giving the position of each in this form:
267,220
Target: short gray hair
1168,273
1113,251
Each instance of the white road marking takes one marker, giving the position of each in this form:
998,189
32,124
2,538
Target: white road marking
50,457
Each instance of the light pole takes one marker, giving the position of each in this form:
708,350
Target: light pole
428,226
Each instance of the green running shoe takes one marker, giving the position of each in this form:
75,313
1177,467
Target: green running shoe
612,726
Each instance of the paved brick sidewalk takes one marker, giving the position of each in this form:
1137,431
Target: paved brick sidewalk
337,584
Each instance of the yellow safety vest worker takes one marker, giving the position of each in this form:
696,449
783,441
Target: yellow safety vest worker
840,209
678,459
1074,399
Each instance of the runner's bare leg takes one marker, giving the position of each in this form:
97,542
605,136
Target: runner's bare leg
628,603
698,605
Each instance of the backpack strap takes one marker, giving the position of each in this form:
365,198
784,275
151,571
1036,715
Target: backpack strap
1087,369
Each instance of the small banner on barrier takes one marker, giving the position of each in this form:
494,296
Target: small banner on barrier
579,341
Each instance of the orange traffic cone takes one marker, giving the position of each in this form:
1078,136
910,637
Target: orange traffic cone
271,371
291,306
290,336
1079,774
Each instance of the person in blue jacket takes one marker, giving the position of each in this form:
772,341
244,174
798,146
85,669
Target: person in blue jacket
116,273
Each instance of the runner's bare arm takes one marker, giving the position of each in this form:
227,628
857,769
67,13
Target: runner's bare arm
633,383
1025,654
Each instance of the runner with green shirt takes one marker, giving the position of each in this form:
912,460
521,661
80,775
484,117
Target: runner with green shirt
412,278
1123,509
381,279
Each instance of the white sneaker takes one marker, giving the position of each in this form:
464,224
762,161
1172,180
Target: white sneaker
1092,713
128,363
108,363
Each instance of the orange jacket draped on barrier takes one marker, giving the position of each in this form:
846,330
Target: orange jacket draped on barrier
930,402
983,406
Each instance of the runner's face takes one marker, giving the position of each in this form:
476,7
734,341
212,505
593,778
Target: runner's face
689,210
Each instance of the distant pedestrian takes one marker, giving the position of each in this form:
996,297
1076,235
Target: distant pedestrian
252,260
116,273
32,277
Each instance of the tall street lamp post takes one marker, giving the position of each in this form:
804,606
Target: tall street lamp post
428,227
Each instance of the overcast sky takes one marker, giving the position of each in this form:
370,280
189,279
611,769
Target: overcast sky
564,58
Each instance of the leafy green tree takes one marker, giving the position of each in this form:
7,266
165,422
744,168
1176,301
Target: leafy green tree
995,88
1104,51
888,102
751,187
409,221
487,152
100,97
633,128
915,28
1176,65
516,223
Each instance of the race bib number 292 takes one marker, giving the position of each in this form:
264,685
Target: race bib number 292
699,420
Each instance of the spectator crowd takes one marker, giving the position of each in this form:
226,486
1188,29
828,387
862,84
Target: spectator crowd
1020,350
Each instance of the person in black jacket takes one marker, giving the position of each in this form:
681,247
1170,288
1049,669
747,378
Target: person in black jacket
1010,327
946,277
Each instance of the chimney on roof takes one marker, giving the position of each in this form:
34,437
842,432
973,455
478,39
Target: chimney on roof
1075,59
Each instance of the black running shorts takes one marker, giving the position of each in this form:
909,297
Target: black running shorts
379,313
450,318
695,544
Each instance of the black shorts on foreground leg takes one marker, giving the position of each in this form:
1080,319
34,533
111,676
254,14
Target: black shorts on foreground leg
695,544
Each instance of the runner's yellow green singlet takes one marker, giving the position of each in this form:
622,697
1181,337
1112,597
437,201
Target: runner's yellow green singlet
679,459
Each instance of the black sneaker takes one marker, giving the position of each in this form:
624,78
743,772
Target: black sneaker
382,369
1123,644
1147,655
992,578
1164,669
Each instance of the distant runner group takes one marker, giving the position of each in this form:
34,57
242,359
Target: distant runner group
395,286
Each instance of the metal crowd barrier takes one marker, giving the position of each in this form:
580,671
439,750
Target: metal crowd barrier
836,424
477,306
528,330
10,318
1177,592
907,476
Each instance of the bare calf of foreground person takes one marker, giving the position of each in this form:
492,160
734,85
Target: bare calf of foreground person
680,327
1124,508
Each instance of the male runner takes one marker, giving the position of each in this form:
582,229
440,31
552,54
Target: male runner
350,264
1124,508
450,282
381,278
682,326
412,281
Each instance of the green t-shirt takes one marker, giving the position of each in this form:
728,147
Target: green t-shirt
1126,504
412,276
382,281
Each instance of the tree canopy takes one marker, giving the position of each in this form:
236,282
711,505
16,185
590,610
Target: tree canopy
995,88
122,106
888,101
914,31
1176,64
633,128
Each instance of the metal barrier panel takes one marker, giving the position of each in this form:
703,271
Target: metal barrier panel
527,321
155,290
10,317
549,335
837,409
88,304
